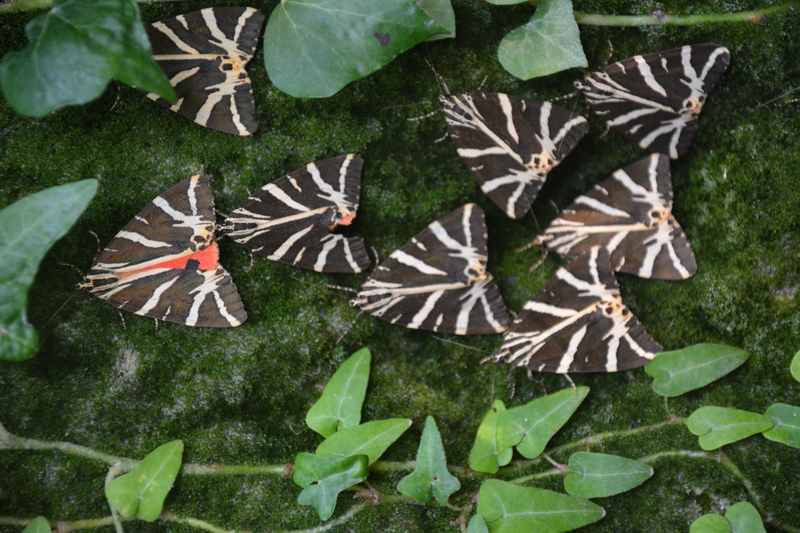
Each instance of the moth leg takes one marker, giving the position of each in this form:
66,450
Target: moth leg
122,319
375,253
540,261
341,288
252,262
422,117
156,323
440,139
571,383
96,238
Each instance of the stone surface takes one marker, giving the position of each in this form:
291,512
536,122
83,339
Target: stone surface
240,396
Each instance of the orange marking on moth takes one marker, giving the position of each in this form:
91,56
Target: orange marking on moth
207,257
346,219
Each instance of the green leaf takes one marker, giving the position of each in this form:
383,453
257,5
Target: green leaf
28,228
370,439
510,508
710,523
795,367
530,427
744,518
507,2
430,475
550,42
786,420
598,475
477,525
322,494
313,48
718,426
75,50
485,455
309,468
38,525
441,11
678,372
141,492
340,404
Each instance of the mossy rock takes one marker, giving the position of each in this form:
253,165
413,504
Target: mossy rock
240,395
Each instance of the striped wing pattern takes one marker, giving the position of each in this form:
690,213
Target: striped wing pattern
630,215
655,99
578,323
438,281
204,55
511,144
164,263
292,219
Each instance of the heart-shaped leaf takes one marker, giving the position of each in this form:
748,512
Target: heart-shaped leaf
75,50
28,228
795,367
678,372
509,508
550,42
786,420
441,11
744,518
141,492
507,2
430,476
477,525
485,455
341,400
530,427
598,475
38,525
371,439
710,523
309,467
313,48
718,426
322,494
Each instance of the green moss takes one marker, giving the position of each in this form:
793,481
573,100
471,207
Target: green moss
240,396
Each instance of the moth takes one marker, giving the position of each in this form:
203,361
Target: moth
630,215
438,280
293,219
164,263
578,323
204,55
656,99
511,144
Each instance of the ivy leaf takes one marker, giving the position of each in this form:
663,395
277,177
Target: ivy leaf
340,404
530,427
486,456
710,523
75,50
28,228
322,494
506,2
38,525
598,475
786,420
550,42
678,372
718,426
141,492
441,11
795,367
510,508
309,468
371,439
430,476
744,518
477,525
313,48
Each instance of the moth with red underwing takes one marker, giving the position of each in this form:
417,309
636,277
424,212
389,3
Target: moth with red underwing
293,219
164,263
630,215
438,281
511,144
204,55
656,99
578,323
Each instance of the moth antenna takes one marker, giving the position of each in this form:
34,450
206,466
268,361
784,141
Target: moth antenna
375,253
466,346
96,238
341,288
73,267
440,139
563,97
350,327
571,383
555,207
60,307
442,84
122,319
156,322
482,83
610,51
512,382
252,262
540,261
422,117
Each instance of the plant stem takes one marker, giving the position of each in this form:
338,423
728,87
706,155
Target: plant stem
756,15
